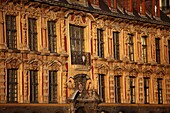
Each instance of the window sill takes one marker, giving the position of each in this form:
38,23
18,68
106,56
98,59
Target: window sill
114,60
54,54
13,50
35,52
3,50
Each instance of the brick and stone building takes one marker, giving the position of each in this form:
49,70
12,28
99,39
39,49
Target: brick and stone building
84,56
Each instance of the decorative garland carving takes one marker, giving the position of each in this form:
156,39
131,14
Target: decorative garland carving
102,68
54,65
11,9
33,12
53,15
77,20
100,24
118,70
133,72
147,73
160,73
33,64
13,62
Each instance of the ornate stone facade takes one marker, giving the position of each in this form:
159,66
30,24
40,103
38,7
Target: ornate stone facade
84,78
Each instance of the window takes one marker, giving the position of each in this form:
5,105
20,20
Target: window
117,89
52,86
169,50
77,44
157,45
144,49
116,45
146,90
33,86
11,32
165,4
101,86
132,89
100,43
160,96
32,34
12,86
52,45
131,48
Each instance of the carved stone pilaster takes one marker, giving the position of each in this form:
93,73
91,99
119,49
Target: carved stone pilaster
2,34
94,35
63,35
127,81
24,30
26,86
140,89
155,94
112,88
2,82
44,36
167,84
64,86
45,83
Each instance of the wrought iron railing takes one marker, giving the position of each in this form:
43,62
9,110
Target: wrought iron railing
80,58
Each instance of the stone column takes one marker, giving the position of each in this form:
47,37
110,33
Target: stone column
167,88
127,82
44,35
64,86
24,32
2,80
26,82
2,31
63,36
45,81
112,96
140,90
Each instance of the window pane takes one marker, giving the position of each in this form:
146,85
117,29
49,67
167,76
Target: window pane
32,34
12,85
52,86
132,89
101,86
100,43
160,97
117,89
116,45
157,44
144,48
11,38
33,86
77,44
52,45
146,90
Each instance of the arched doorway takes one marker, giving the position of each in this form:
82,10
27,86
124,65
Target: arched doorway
80,110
